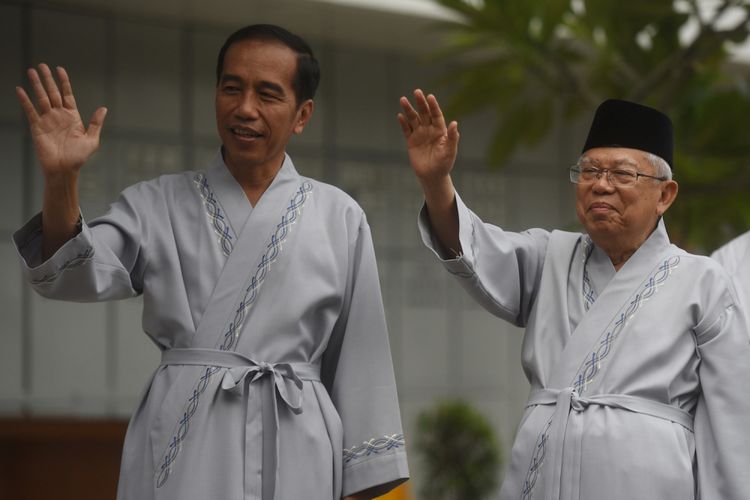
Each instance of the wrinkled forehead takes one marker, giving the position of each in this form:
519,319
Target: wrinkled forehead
612,157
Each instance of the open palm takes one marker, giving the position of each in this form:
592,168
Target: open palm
61,141
431,144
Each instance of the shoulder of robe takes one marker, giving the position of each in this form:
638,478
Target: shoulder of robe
335,200
705,270
709,288
159,189
733,253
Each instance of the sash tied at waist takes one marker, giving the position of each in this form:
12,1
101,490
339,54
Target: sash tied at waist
275,379
568,399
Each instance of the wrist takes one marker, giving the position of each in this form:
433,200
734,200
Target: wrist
437,188
61,180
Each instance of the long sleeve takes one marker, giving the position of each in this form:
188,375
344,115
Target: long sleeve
105,260
358,373
735,258
500,269
723,411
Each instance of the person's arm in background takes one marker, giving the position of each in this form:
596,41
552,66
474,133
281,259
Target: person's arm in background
433,146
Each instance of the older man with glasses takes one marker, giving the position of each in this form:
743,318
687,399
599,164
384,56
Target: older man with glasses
636,351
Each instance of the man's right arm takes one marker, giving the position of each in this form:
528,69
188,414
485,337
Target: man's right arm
504,276
62,146
433,146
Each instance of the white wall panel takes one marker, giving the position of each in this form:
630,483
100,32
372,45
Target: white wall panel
426,346
11,353
483,348
206,45
11,187
79,43
147,77
69,374
13,73
363,113
136,357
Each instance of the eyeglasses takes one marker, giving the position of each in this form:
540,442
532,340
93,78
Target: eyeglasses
618,177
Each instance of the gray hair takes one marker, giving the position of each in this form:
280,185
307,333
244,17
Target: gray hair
661,167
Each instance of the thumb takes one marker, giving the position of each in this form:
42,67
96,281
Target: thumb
96,123
453,135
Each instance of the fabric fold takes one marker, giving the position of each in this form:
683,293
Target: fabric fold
284,379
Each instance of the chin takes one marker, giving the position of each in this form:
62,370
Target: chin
600,228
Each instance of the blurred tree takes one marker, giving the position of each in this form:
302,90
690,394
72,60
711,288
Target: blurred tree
459,451
532,61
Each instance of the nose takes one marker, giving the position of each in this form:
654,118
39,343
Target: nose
247,107
602,182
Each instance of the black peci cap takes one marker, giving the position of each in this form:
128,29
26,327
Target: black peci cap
626,124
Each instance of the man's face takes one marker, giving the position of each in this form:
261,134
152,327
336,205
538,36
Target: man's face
621,217
256,107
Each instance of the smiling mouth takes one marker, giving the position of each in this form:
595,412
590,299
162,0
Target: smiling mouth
245,133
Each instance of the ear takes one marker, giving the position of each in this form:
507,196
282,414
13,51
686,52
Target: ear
304,113
668,194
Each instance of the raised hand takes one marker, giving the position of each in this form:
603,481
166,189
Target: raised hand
61,141
432,145
432,152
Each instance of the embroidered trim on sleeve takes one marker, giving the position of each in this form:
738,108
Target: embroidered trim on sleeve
216,216
374,446
76,261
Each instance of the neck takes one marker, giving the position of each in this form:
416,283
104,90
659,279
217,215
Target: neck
619,258
617,250
254,179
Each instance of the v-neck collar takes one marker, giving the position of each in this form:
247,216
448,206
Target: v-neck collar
230,194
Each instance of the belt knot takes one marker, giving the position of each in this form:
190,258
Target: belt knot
578,403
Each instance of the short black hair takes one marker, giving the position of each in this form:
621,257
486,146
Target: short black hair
307,76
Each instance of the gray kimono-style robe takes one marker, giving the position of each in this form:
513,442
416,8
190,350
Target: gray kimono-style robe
276,379
735,258
639,378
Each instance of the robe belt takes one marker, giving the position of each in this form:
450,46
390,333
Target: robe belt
284,379
567,400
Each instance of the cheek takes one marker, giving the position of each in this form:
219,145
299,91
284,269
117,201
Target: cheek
580,200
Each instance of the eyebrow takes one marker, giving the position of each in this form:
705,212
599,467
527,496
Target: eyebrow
617,163
275,87
226,77
264,84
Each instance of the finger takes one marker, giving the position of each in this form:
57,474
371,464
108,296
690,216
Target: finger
410,113
49,83
96,123
404,125
39,92
66,88
436,114
453,135
422,107
27,105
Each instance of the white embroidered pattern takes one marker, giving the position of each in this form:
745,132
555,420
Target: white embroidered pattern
589,294
374,446
273,250
86,255
218,220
